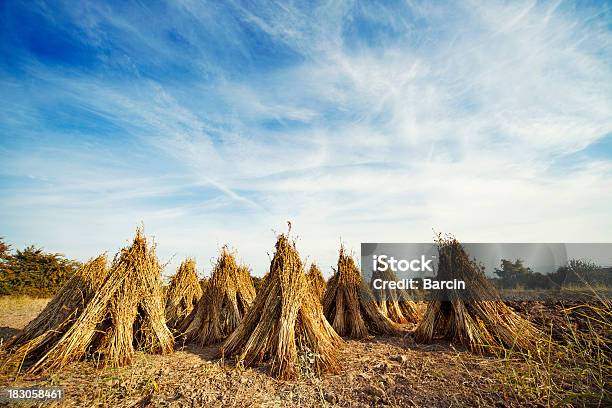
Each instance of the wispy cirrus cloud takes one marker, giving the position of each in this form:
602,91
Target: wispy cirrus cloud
360,120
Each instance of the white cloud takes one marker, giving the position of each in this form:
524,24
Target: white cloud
458,127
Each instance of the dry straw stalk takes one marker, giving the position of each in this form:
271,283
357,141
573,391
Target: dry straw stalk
183,293
396,304
285,326
124,313
229,293
350,306
477,318
42,332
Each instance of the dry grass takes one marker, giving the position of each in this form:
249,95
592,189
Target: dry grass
575,367
229,294
182,294
285,326
350,306
258,281
12,304
111,314
16,312
193,378
476,318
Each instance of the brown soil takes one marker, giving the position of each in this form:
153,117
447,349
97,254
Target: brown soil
380,371
16,312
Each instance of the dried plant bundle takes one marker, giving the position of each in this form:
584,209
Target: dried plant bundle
126,312
285,326
350,306
42,332
316,281
182,294
396,304
229,293
477,318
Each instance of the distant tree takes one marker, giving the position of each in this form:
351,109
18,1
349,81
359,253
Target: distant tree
5,250
512,273
5,255
579,272
34,272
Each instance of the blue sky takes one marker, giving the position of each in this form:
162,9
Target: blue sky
216,122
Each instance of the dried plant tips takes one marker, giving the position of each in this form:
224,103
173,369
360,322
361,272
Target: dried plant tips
316,281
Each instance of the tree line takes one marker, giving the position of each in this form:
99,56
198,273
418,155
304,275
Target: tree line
32,271
577,272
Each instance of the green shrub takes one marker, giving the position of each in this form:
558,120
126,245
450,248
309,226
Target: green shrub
33,272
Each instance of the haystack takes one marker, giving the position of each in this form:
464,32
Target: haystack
316,280
285,326
183,293
475,317
124,313
396,304
42,332
350,306
229,293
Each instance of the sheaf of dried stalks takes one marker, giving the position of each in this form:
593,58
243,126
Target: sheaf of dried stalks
42,332
182,294
476,318
229,293
285,326
350,306
125,312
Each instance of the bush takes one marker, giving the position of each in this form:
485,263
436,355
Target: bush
514,275
33,272
576,273
580,272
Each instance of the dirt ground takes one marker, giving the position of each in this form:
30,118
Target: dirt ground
16,312
381,371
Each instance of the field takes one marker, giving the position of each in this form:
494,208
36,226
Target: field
379,371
